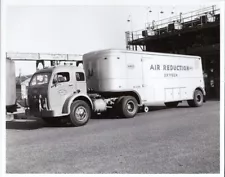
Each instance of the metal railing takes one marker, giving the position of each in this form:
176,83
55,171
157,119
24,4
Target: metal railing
179,22
43,56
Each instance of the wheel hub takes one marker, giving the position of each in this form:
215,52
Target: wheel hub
81,113
199,99
130,106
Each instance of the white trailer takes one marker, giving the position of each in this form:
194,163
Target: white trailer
156,78
117,79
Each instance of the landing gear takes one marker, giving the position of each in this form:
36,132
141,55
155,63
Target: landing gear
146,109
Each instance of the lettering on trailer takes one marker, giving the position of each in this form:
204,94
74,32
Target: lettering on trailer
171,68
170,75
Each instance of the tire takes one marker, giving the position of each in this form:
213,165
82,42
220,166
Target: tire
79,119
172,104
198,99
128,106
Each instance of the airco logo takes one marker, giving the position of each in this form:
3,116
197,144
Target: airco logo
130,66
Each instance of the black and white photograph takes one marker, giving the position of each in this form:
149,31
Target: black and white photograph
104,88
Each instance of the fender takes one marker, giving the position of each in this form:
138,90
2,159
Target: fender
78,96
203,90
138,95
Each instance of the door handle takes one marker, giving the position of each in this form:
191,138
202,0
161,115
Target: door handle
70,84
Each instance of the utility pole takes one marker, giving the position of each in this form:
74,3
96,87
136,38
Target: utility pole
129,20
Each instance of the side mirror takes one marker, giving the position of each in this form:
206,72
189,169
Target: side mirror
54,81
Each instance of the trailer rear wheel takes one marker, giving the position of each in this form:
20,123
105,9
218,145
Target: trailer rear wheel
172,104
129,106
198,99
80,113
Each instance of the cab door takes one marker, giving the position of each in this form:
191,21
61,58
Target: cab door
61,88
80,82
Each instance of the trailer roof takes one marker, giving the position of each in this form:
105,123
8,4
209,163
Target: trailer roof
140,52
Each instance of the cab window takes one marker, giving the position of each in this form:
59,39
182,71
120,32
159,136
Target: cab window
62,77
40,79
79,76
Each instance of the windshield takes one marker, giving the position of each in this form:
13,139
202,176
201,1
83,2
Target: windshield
40,79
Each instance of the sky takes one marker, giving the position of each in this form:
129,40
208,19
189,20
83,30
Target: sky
76,29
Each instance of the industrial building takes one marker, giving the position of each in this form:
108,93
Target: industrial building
193,33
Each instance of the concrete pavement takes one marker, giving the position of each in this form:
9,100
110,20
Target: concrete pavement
178,140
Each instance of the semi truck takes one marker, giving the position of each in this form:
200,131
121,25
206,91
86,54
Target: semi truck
117,81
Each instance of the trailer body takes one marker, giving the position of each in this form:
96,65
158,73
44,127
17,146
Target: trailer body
156,78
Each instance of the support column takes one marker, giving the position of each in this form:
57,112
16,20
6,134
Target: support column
38,62
53,63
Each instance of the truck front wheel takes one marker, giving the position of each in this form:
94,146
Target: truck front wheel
80,113
129,106
198,99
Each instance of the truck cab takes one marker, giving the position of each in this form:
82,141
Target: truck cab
51,88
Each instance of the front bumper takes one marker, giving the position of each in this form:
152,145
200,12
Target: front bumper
42,113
